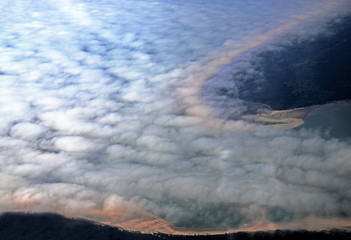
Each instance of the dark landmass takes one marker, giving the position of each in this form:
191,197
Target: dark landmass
304,73
36,226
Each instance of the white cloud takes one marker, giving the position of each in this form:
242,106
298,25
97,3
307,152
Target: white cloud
75,144
27,131
100,110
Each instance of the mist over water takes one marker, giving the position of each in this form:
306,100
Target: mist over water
100,114
333,120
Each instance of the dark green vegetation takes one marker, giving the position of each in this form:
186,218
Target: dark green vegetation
304,73
15,226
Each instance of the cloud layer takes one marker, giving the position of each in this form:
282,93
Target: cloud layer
91,119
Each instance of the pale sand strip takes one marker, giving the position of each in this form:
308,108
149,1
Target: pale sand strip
135,219
282,119
189,92
156,224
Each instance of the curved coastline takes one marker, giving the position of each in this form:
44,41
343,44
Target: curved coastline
53,226
123,163
189,92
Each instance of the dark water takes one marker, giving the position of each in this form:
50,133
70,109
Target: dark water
304,73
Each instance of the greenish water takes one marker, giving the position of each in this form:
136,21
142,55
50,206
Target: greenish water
333,120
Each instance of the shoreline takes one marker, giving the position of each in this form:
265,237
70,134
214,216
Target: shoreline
189,91
308,223
19,225
149,223
282,119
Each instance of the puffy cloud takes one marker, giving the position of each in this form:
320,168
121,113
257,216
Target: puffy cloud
103,109
27,131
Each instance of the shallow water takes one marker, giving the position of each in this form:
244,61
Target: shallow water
333,120
101,115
